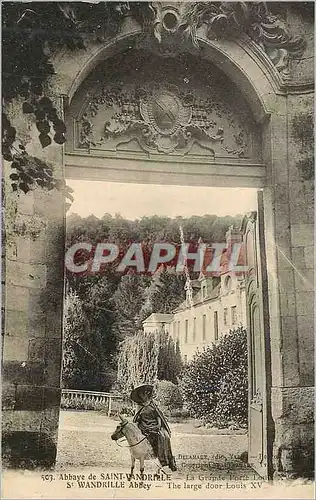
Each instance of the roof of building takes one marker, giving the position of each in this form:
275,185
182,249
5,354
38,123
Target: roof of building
197,298
159,318
233,236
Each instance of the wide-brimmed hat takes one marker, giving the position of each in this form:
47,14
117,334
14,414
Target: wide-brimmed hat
142,394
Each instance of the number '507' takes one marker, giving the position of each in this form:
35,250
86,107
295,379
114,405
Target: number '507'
47,477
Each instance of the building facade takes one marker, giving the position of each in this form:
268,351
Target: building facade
158,323
218,306
217,309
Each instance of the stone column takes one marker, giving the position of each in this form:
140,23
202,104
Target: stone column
34,284
290,273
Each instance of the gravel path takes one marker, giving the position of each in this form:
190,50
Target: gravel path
85,449
84,441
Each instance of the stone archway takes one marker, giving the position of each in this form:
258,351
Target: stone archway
176,120
274,101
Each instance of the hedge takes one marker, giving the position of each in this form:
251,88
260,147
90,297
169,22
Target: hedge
214,384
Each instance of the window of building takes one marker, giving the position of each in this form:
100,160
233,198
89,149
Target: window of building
225,316
228,283
204,291
204,327
194,329
215,325
186,331
234,315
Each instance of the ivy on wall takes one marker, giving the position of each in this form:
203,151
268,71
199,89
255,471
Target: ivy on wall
31,32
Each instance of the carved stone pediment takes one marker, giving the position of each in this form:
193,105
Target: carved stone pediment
174,22
165,107
162,119
175,25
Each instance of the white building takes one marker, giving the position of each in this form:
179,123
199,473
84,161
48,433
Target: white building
157,322
218,305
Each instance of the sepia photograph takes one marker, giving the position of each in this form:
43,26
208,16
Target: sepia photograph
157,249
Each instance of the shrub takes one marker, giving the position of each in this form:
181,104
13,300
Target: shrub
179,415
128,411
214,384
123,406
232,402
169,396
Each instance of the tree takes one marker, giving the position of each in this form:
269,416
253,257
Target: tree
169,358
116,305
128,301
168,396
81,367
99,311
96,295
137,361
166,291
146,358
221,225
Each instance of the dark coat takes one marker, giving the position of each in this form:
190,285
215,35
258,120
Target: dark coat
154,426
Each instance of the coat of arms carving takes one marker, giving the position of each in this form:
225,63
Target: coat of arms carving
165,106
162,119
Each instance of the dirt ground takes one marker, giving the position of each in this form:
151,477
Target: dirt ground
85,440
209,466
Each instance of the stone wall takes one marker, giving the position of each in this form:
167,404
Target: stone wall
291,309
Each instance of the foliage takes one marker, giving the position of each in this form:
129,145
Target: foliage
128,300
214,384
28,170
146,358
81,362
168,396
137,361
232,403
116,305
26,69
127,411
31,32
95,294
117,229
166,292
169,358
178,415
